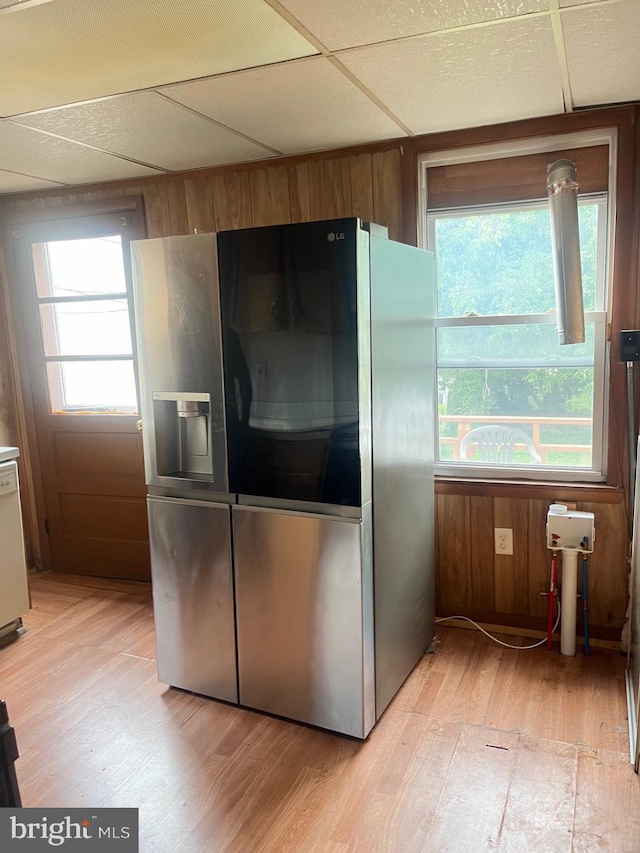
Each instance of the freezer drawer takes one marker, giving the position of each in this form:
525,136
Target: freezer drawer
304,611
193,596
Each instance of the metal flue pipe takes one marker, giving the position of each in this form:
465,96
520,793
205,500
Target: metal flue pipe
562,189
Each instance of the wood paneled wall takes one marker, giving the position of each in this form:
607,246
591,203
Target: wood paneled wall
365,185
473,581
378,183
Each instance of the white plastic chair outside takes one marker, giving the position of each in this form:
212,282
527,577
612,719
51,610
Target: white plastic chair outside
497,443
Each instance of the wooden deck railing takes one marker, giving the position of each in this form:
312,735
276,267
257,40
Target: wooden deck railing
466,423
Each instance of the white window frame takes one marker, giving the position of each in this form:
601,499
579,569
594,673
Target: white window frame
600,317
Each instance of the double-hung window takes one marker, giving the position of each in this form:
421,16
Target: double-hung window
513,402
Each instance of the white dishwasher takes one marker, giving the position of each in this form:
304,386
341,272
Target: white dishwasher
14,590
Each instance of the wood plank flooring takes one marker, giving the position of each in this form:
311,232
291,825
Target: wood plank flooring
483,749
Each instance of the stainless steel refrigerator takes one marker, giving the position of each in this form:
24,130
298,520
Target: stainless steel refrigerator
287,393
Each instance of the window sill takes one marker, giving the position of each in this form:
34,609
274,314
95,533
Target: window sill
529,490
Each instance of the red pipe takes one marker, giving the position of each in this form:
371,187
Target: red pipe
552,600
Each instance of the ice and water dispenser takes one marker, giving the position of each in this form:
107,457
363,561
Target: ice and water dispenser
183,435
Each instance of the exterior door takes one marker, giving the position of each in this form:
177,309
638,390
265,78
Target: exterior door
75,293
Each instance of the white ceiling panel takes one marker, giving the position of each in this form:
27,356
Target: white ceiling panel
465,79
32,153
168,136
73,50
294,107
603,53
338,24
12,183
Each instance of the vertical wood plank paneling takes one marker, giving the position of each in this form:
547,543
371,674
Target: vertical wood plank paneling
387,196
539,565
156,207
482,577
199,202
299,202
177,208
362,187
270,196
232,200
454,552
511,580
329,188
608,567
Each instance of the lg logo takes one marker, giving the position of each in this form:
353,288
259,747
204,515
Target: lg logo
331,236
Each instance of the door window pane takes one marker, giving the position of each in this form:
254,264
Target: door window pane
79,267
71,277
92,385
86,328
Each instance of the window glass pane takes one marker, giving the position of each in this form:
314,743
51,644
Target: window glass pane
552,406
104,385
500,262
79,267
86,328
511,346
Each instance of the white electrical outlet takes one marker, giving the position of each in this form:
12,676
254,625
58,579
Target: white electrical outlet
503,539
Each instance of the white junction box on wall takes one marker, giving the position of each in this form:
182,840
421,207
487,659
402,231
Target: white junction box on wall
569,529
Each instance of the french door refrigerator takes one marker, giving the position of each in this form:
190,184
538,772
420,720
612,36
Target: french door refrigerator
287,386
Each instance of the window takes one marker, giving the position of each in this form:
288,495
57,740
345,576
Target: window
511,400
85,324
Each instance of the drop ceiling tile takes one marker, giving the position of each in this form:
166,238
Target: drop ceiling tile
73,50
32,153
465,79
169,137
13,183
295,107
603,53
338,24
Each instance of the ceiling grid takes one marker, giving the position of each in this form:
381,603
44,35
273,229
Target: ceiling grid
558,35
201,83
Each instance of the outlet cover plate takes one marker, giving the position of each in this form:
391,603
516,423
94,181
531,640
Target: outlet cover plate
503,537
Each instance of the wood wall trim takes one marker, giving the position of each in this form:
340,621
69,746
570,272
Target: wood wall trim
503,630
621,117
529,490
530,623
81,209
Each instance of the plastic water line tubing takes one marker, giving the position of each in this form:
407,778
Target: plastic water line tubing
585,604
569,602
552,599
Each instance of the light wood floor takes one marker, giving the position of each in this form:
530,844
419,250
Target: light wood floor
483,749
